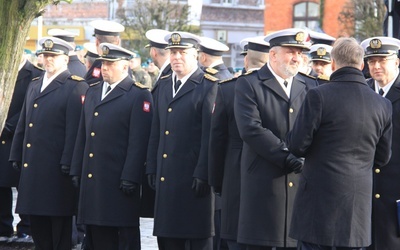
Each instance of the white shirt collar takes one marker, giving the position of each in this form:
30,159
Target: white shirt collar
289,80
183,80
106,84
387,87
46,81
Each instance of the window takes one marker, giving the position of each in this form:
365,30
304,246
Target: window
306,14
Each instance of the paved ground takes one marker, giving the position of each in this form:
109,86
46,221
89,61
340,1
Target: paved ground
149,242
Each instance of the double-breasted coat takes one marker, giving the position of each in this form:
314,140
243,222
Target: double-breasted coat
264,115
386,187
178,152
224,158
111,146
341,144
43,141
8,176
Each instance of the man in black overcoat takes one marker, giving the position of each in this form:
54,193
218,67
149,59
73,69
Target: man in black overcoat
226,145
177,159
8,176
110,153
383,65
341,145
43,144
266,105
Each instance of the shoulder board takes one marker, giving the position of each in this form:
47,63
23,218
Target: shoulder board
228,80
211,78
77,78
165,76
94,84
324,77
34,65
211,71
249,72
307,75
138,84
36,78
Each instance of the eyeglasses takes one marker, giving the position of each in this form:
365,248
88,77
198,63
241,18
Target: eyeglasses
380,60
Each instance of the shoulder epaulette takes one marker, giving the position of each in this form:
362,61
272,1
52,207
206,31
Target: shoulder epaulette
323,77
211,78
165,76
307,75
34,79
40,68
249,72
228,80
94,84
211,71
77,78
138,84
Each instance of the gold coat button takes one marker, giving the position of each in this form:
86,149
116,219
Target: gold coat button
91,155
164,156
35,105
169,109
25,165
377,170
3,142
92,134
377,196
291,184
167,132
162,179
96,113
28,145
89,175
30,125
291,110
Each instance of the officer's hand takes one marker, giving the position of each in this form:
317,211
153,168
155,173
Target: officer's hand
65,169
16,165
151,180
128,187
200,187
294,164
76,181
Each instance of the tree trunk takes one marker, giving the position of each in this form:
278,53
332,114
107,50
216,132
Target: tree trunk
15,20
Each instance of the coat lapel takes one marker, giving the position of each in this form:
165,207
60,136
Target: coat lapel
394,92
55,84
119,90
189,85
270,81
298,87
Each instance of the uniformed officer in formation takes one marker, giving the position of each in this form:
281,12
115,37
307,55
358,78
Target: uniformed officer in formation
177,163
226,145
266,105
75,66
110,153
321,62
210,58
105,32
8,176
158,53
43,144
140,75
91,54
383,64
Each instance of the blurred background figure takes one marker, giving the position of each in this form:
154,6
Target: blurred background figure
321,62
153,72
91,54
140,75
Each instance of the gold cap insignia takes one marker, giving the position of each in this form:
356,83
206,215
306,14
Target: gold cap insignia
48,44
105,50
321,51
375,44
175,39
299,37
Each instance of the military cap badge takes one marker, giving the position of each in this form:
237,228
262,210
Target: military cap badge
175,39
48,44
321,51
105,50
375,44
299,37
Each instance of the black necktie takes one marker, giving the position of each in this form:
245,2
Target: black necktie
381,92
177,85
108,89
285,83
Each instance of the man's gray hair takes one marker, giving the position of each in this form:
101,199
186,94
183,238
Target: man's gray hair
347,53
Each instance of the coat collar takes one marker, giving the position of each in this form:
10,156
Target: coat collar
194,80
55,84
122,87
342,75
394,93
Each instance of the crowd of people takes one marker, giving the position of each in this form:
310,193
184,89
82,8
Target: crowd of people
296,152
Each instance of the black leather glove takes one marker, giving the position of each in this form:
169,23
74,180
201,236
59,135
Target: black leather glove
200,187
16,165
128,187
151,180
65,169
76,181
294,164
